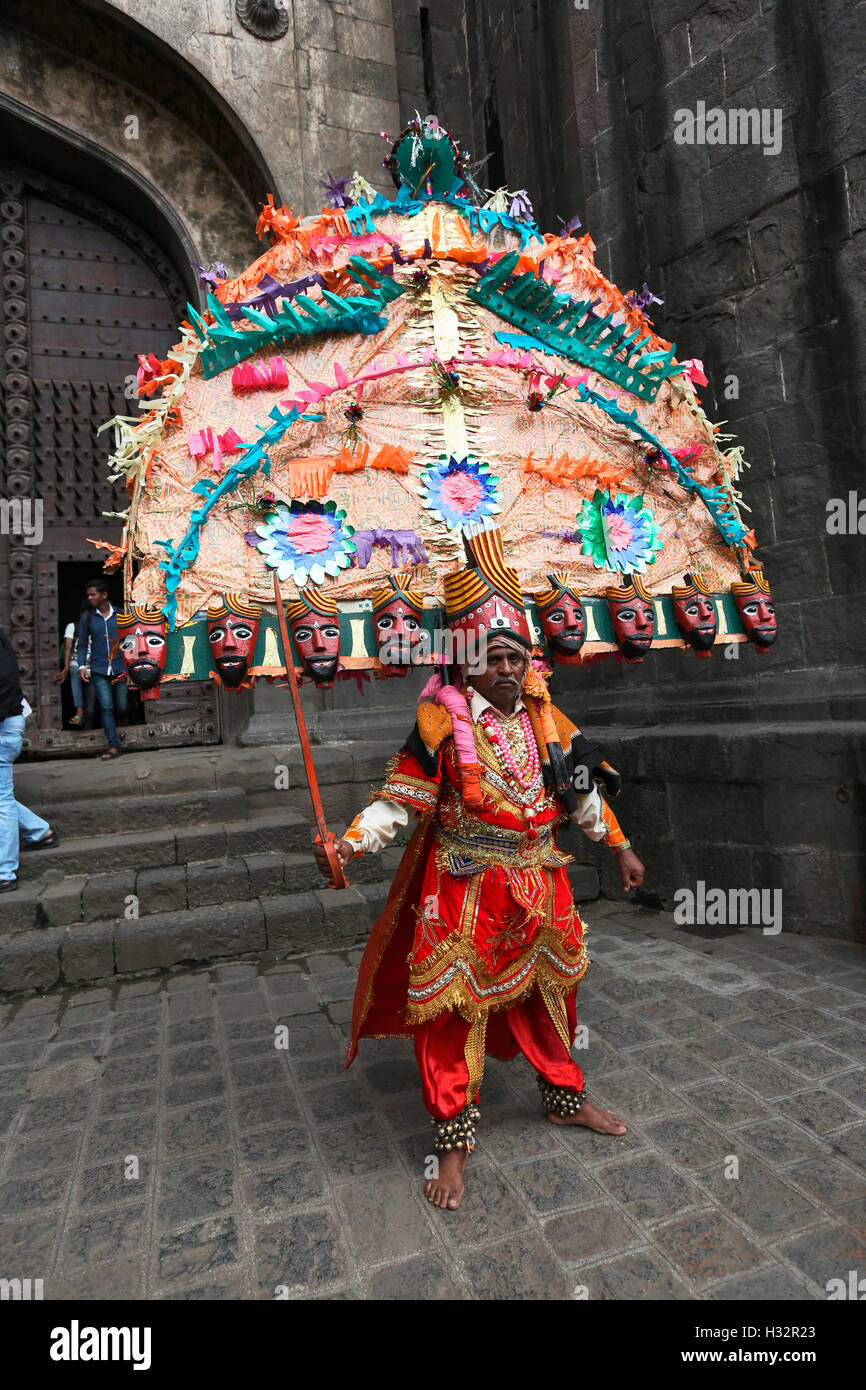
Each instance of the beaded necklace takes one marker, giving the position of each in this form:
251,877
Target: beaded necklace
499,740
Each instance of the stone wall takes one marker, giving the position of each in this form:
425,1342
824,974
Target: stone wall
748,771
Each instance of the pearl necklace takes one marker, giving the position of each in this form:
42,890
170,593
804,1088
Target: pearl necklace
497,737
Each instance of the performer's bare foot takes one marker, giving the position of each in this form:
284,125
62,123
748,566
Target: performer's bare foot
446,1190
602,1121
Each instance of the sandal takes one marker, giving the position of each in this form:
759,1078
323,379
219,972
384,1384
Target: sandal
49,841
112,753
76,721
8,885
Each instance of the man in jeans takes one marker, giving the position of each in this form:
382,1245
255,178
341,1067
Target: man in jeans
98,625
36,833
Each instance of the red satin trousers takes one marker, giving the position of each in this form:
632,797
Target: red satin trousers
525,1028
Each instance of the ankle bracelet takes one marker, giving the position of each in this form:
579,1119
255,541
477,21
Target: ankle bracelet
560,1100
458,1133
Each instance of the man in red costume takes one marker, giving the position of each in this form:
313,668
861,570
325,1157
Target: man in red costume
480,948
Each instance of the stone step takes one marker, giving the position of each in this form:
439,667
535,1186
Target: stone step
275,926
155,812
284,831
126,893
161,772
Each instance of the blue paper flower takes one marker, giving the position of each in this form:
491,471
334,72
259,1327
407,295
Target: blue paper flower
305,541
460,492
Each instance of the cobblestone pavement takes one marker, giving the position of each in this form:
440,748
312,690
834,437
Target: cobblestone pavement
264,1172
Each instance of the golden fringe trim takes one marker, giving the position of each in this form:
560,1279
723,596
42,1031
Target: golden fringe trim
457,995
474,1054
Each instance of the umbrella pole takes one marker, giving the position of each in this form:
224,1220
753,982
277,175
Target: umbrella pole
338,877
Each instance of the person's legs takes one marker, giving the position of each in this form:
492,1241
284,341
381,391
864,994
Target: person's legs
121,701
31,826
440,1050
102,686
76,688
89,705
11,738
559,1077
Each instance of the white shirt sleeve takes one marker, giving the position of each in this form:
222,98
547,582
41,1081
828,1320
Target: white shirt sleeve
379,823
69,632
589,815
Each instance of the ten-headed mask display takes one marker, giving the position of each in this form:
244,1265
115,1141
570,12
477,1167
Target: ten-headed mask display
143,645
695,614
233,630
560,612
756,609
315,626
397,616
633,617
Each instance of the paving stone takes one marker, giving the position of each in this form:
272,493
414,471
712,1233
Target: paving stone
424,1278
671,1065
760,1199
851,1086
826,1253
194,1189
646,1187
55,1112
705,1246
619,1031
105,894
779,1141
813,1060
97,1237
134,1041
554,1182
276,1143
200,1249
385,1220
194,1030
642,1275
834,1183
29,1193
299,1253
852,1143
690,1142
269,1190
107,1185
724,1102
592,1231
195,1128
260,1107
764,1076
27,1241
87,952
338,1101
632,1093
216,881
523,1269
356,1149
489,1209
114,1281
126,1099
192,1088
820,1110
135,1069
197,1057
114,1136
850,1041
293,921
762,1033
776,1284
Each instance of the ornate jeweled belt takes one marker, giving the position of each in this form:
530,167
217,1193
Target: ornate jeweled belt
510,849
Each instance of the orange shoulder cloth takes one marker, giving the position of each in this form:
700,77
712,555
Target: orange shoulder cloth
434,723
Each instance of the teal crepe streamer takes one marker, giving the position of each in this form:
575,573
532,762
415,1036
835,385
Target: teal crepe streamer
179,557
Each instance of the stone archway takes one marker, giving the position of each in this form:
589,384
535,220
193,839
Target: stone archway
141,129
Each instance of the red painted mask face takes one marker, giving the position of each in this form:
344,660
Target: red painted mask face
143,648
317,641
632,621
564,627
398,632
232,643
758,614
696,619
